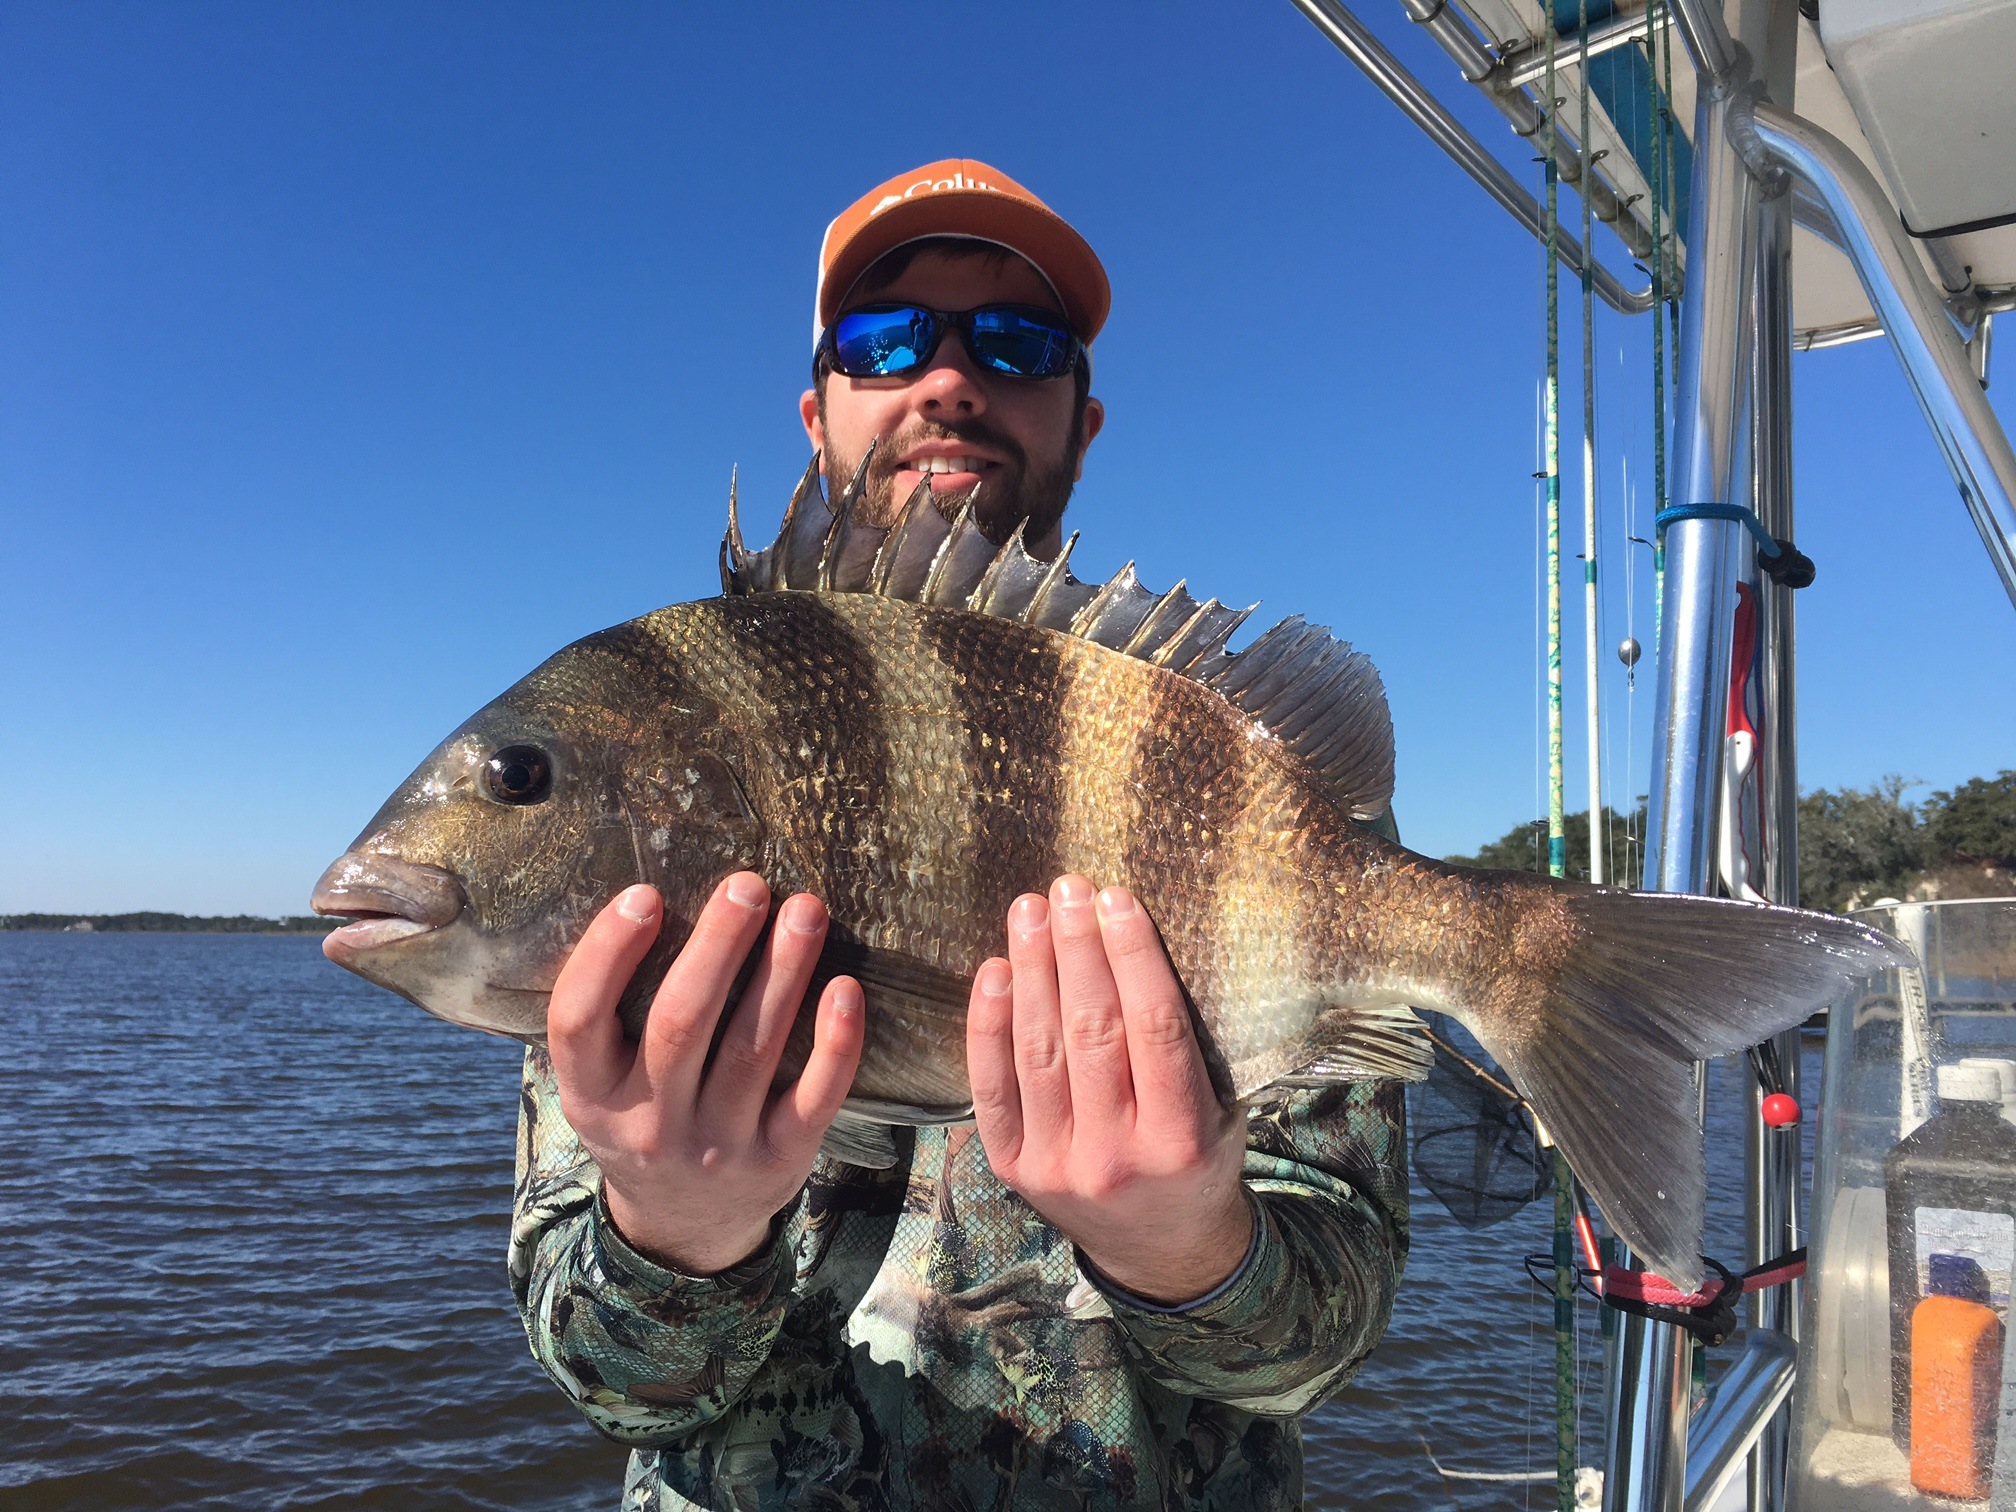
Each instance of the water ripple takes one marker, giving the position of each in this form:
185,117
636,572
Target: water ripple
253,1234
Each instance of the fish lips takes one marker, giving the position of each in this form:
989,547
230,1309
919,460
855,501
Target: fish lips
389,900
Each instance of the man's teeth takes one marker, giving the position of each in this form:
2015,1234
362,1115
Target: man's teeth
949,464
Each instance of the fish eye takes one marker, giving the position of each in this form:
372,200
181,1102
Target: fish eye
519,775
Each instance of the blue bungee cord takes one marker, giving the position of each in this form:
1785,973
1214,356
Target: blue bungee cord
1780,560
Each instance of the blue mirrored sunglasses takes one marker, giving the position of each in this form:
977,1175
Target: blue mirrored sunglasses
886,341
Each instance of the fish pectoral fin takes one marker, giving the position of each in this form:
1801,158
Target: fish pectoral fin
855,1140
923,988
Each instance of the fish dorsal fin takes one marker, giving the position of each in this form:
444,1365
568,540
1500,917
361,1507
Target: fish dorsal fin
1320,698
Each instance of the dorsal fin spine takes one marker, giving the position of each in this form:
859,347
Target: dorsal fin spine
1145,639
836,533
1164,652
1003,560
1113,588
944,556
892,544
1060,572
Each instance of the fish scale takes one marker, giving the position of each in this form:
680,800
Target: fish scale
918,725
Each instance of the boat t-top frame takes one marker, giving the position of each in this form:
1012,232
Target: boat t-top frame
1757,170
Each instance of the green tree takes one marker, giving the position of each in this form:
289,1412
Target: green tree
1859,842
1975,821
1525,847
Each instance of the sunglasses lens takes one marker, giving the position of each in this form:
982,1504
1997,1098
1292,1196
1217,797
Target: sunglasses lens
1021,343
878,343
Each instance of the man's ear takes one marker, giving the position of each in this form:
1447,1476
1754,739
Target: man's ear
808,411
1095,418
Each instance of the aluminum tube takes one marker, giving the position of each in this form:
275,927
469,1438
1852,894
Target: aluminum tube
1706,35
1750,1396
1646,1464
1528,65
1771,1156
1351,38
1700,601
1954,275
1833,336
1648,1435
1935,360
1479,65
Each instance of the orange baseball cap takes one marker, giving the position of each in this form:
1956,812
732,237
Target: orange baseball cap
962,197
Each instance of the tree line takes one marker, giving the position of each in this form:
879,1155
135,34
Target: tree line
168,923
1855,844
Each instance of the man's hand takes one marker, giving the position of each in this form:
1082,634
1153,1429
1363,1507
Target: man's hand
695,1166
1093,1101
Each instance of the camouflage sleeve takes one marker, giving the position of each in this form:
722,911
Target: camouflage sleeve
1327,1167
648,1354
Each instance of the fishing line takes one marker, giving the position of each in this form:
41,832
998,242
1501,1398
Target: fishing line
1591,630
1557,840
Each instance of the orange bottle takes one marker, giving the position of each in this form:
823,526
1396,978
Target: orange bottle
1956,1381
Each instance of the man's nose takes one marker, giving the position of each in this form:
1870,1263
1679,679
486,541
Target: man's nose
951,383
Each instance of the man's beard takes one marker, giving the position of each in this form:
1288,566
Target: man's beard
1013,491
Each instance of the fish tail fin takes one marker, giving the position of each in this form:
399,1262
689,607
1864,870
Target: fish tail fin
1652,983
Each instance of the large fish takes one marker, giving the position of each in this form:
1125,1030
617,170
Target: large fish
917,727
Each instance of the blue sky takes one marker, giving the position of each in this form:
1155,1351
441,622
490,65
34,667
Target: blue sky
354,357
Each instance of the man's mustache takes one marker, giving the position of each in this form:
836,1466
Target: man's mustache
885,464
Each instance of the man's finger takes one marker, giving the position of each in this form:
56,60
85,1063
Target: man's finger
689,1002
804,1110
745,1062
990,1064
1172,1089
1095,1035
1040,1069
583,1033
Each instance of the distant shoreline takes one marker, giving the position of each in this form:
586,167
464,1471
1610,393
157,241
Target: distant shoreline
166,923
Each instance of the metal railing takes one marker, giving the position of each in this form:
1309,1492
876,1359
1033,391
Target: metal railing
1756,166
1418,103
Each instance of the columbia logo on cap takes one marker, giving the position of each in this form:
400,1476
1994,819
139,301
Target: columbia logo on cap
931,186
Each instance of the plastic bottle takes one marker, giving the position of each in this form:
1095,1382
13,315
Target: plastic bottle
1956,1382
1954,1179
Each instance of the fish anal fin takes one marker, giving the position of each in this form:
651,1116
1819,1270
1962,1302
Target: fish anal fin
854,1140
1376,1042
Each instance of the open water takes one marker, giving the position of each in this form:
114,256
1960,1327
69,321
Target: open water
252,1229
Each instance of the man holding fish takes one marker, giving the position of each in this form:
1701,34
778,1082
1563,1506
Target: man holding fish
758,1243
1123,1292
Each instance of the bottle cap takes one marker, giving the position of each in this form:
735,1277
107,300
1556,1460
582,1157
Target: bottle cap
1956,1276
2005,1074
1976,1081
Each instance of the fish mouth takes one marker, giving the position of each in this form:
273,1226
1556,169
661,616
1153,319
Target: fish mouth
386,899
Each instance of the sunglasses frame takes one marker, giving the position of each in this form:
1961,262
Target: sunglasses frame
961,321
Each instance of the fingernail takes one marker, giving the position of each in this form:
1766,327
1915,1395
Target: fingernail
1073,892
801,916
1030,913
637,904
747,889
995,979
1115,903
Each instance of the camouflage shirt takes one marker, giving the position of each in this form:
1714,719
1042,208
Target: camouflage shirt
919,1337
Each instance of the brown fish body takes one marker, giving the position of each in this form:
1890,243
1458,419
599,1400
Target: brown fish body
920,767
918,744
